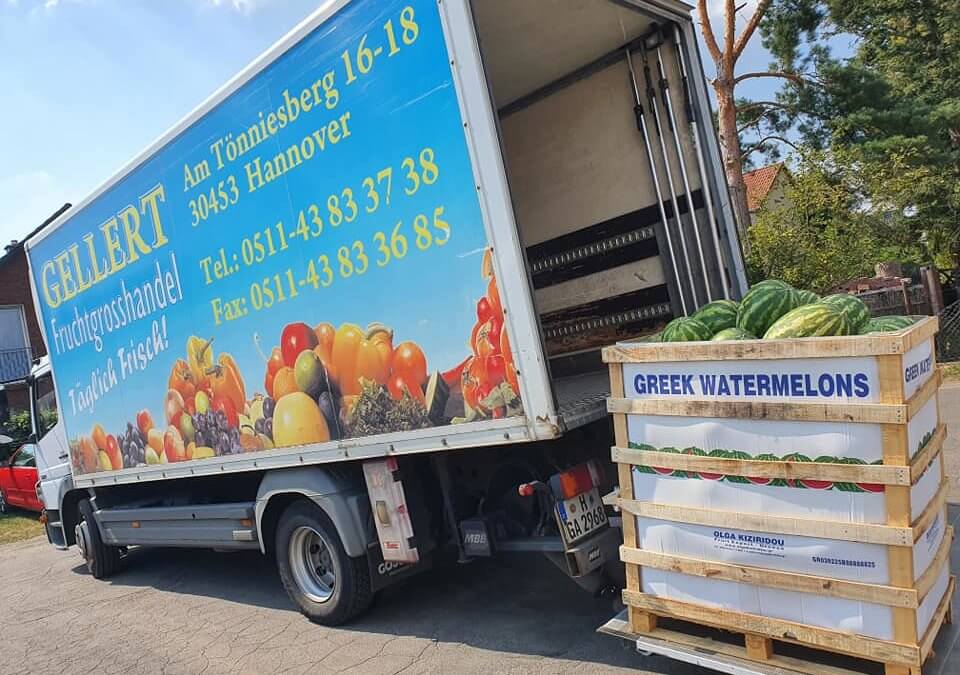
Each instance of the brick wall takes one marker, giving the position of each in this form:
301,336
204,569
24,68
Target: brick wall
15,290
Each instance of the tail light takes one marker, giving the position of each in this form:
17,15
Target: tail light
576,481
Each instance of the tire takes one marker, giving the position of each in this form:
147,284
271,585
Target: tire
3,502
327,585
102,560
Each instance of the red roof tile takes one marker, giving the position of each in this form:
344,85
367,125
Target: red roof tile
759,182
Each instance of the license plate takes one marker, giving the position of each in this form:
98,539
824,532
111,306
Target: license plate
580,516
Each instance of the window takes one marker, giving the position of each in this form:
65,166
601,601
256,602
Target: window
14,348
46,405
25,458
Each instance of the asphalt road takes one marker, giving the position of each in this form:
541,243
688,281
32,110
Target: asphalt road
190,612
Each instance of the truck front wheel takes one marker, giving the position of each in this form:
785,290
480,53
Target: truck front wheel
327,585
102,560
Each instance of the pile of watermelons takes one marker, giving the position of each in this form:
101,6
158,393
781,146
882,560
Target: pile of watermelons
775,310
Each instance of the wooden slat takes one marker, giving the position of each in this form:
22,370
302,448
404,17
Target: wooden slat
629,524
935,508
929,578
920,332
788,631
930,452
872,413
805,527
759,648
943,610
799,348
785,665
923,394
896,451
753,468
890,378
792,581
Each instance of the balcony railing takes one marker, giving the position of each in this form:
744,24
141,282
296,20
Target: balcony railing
15,364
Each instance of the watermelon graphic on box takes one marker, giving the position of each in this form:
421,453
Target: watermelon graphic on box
804,484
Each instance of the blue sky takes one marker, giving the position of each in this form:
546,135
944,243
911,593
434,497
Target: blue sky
89,83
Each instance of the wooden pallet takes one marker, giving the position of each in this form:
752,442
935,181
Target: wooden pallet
746,654
900,470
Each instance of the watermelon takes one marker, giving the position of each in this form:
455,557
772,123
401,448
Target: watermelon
886,324
770,283
816,320
764,304
718,315
805,297
733,334
685,329
852,306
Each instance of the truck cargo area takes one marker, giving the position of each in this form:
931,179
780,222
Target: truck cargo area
584,195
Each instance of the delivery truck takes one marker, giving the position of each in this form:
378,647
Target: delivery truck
349,311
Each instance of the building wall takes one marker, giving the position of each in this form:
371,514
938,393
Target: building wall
15,290
777,196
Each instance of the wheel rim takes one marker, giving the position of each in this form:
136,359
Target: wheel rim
3,503
311,562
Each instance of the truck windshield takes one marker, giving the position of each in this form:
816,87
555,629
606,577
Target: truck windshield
15,422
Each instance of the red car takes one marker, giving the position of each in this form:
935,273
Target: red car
18,481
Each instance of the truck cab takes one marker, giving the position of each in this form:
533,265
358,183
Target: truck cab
48,445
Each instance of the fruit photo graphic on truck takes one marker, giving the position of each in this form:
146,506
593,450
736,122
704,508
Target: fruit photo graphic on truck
323,224
803,483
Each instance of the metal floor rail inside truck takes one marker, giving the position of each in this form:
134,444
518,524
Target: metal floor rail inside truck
587,141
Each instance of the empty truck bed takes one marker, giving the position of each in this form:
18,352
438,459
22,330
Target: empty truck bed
582,399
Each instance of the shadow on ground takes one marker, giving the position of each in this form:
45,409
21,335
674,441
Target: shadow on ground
514,604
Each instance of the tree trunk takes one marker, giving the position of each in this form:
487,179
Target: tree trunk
732,156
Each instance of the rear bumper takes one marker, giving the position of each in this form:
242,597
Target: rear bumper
590,554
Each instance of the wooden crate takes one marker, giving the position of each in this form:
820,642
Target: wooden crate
898,371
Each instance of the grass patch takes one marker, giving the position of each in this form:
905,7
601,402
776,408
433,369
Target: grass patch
951,371
18,525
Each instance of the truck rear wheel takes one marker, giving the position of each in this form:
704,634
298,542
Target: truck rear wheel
102,560
327,585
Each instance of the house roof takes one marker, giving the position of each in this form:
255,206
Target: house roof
16,246
759,183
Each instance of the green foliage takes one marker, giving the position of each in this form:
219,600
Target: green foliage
18,425
889,117
826,235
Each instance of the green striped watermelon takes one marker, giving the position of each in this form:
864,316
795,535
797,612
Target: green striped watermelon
763,304
886,324
805,297
718,315
852,306
733,334
816,320
685,329
766,283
